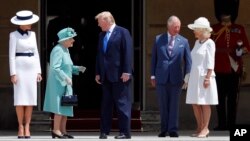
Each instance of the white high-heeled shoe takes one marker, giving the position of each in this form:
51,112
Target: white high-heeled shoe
203,135
196,133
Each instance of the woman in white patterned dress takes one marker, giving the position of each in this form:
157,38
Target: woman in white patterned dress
202,89
25,70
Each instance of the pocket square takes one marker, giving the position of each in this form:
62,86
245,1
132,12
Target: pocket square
180,46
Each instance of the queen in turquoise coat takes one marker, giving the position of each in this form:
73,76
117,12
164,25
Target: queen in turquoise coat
61,68
59,82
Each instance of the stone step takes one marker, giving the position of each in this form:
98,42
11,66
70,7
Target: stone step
40,115
42,125
150,115
150,120
41,121
82,121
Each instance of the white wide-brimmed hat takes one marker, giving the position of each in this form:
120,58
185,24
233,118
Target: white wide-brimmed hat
66,33
24,17
201,22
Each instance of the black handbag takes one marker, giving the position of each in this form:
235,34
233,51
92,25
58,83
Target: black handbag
69,100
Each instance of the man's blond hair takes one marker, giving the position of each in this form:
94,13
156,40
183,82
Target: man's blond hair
106,16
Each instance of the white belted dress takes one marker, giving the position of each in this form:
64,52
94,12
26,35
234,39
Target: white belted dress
25,68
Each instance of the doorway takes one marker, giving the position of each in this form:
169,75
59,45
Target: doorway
58,14
81,17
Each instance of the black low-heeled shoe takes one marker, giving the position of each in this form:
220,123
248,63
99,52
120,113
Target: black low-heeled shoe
162,134
103,136
27,137
54,135
174,134
20,137
122,136
68,136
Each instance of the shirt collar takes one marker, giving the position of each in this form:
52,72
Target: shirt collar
22,32
169,36
111,28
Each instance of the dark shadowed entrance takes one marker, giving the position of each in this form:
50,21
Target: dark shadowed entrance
64,13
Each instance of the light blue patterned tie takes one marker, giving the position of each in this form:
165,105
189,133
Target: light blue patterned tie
105,41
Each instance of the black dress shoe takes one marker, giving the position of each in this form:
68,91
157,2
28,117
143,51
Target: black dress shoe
103,136
54,135
68,136
173,134
27,137
122,136
162,134
20,137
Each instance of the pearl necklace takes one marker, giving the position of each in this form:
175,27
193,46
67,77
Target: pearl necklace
202,41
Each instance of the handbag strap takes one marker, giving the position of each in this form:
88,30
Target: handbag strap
66,89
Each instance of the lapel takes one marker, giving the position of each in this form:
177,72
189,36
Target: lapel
164,45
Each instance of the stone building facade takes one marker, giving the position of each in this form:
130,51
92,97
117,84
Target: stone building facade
154,16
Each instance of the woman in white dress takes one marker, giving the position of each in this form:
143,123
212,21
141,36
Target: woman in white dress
25,70
202,89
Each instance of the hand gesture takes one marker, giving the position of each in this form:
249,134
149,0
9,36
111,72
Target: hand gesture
39,77
239,52
14,79
97,79
82,69
184,86
125,77
153,82
68,81
206,83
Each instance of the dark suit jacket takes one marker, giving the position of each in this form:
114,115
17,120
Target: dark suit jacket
118,56
170,68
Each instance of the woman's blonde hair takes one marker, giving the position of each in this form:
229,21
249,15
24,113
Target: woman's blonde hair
206,32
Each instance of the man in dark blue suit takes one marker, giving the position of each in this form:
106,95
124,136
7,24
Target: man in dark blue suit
170,62
113,72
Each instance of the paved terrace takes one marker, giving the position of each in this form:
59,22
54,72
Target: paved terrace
136,136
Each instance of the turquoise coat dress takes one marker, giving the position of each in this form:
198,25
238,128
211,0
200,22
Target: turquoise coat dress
61,67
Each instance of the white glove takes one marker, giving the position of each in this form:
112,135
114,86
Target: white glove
239,52
68,81
184,86
82,69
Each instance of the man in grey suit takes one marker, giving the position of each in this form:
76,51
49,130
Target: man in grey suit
171,61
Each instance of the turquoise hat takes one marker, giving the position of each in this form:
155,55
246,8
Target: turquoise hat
66,33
